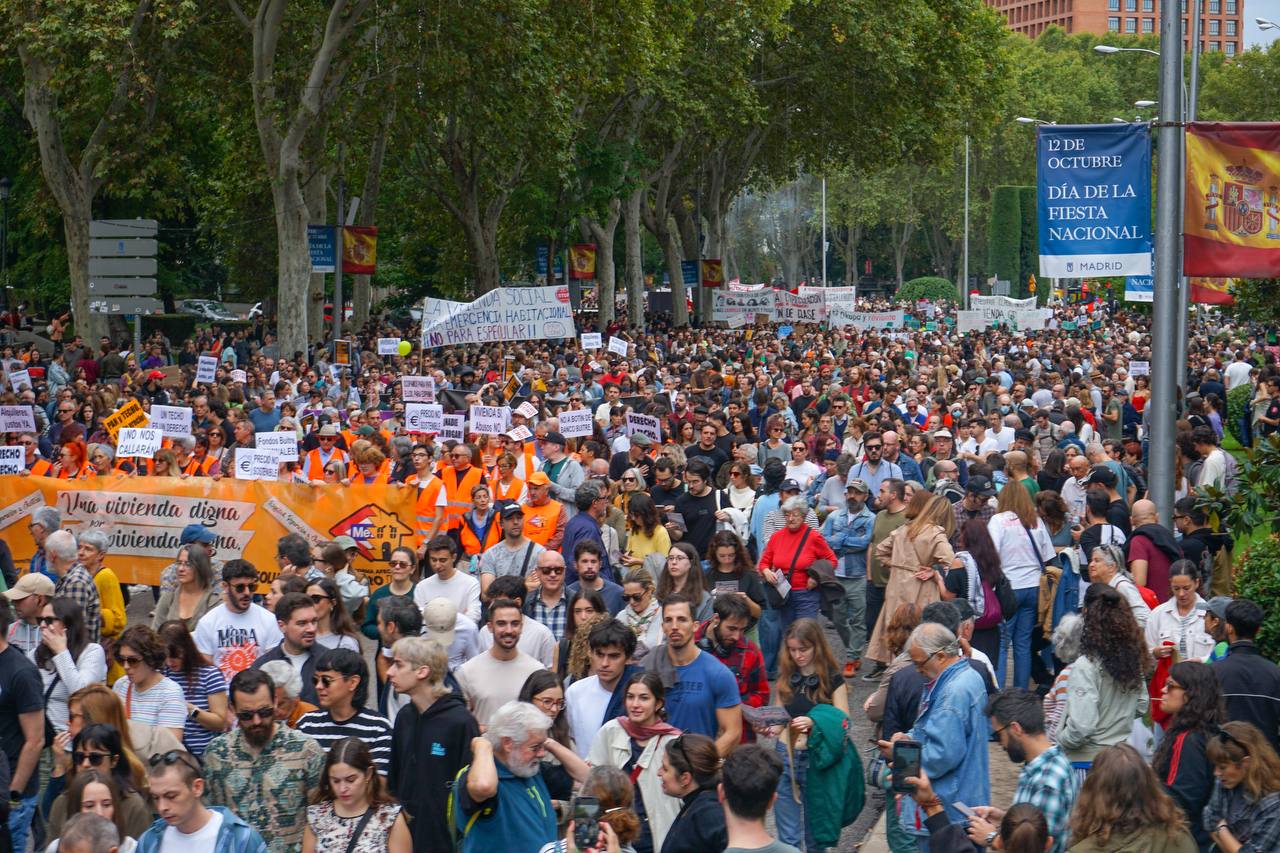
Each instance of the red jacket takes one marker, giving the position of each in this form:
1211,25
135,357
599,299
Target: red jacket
780,553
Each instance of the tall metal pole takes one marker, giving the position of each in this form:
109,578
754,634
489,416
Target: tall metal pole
1184,294
337,261
5,186
964,267
824,230
1164,327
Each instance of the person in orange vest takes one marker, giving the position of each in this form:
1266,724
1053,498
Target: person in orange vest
73,461
459,479
523,452
479,530
205,459
188,464
544,518
33,462
507,487
313,467
430,506
371,467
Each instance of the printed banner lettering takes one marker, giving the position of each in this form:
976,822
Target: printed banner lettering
618,345
418,389
1232,215
1093,200
644,425
489,420
838,317
423,417
794,308
171,420
977,300
138,442
320,244
506,314
1139,288
576,423
730,305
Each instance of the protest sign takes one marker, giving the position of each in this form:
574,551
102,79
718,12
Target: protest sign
506,314
388,346
138,441
128,415
488,420
527,409
575,423
239,376
254,464
423,417
727,306
520,433
454,427
17,419
282,444
19,379
977,300
794,308
11,460
618,345
207,369
342,351
171,420
418,389
644,425
591,340
1139,368
839,317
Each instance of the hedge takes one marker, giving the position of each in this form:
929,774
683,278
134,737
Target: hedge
1004,234
1257,578
930,287
1238,399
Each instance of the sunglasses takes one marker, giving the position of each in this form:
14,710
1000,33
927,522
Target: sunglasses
131,660
325,681
553,570
267,713
316,599
175,756
871,446
399,563
634,597
243,587
628,479
1226,737
94,758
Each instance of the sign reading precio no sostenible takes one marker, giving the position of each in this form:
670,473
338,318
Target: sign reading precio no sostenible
1094,200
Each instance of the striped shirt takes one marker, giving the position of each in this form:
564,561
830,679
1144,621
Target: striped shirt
207,681
374,730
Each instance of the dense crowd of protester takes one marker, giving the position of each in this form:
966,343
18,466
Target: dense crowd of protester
656,638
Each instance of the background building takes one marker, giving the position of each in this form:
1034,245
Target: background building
1222,27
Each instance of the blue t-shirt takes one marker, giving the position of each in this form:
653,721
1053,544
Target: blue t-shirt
610,592
264,421
701,688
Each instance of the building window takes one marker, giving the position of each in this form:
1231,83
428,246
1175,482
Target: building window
1148,25
1130,25
1213,47
1215,7
1147,5
1231,48
1113,25
1113,5
1231,7
1231,28
1184,7
1215,27
1131,5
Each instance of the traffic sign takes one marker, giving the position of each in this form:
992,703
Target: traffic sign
123,247
123,228
126,305
121,266
122,286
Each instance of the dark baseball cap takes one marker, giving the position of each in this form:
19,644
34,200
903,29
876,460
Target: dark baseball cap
1102,475
980,485
511,510
789,485
197,533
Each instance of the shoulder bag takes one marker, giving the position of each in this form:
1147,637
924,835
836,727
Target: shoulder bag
777,593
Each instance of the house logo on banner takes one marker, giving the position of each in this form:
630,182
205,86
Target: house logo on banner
377,531
505,314
1093,200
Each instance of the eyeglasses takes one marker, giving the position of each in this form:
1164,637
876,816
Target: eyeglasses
47,620
628,479
267,713
634,597
131,660
243,587
552,570
174,756
399,563
550,704
871,446
316,599
325,681
94,758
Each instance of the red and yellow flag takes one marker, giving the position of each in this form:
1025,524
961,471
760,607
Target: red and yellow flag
712,272
1211,291
360,249
582,260
1232,215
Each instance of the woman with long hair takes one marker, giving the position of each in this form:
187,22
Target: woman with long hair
561,767
1122,807
335,629
615,797
729,563
975,570
202,684
1053,510
1054,475
578,660
1192,698
691,772
96,792
148,696
913,555
1243,813
66,658
645,533
683,574
351,809
1022,540
808,676
634,743
584,606
905,618
641,611
196,593
403,567
1108,685
100,747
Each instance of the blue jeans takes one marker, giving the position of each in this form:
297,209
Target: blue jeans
800,604
1018,632
770,639
791,817
20,821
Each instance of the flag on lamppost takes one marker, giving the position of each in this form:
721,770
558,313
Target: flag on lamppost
360,249
1232,215
582,260
1211,291
712,272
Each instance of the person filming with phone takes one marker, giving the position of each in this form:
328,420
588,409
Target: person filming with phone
951,730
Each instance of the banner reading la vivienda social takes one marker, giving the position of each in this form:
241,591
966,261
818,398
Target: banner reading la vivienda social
144,517
1232,214
1094,199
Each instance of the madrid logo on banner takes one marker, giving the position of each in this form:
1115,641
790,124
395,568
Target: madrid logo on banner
1232,214
1093,200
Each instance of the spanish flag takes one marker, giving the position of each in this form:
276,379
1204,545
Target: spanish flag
582,259
712,272
1211,291
360,249
1232,215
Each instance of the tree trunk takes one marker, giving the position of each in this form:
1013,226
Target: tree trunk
900,244
634,276
672,253
603,234
75,227
315,193
362,293
293,266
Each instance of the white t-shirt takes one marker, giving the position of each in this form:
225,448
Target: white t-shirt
1237,373
338,641
489,683
203,839
162,705
233,641
462,589
1004,438
1021,566
988,445
536,641
585,702
803,473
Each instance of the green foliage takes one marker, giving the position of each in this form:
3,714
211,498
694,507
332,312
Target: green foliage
1257,578
1004,234
1253,507
1029,247
927,287
1237,405
1257,300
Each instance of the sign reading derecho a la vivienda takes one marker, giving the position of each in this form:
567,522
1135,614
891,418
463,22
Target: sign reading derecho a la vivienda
506,314
1094,200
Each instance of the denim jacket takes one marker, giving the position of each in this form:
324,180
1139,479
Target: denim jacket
234,836
849,535
952,730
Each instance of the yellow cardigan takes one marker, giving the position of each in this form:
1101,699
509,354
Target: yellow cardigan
111,600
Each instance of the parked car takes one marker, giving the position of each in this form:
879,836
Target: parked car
208,309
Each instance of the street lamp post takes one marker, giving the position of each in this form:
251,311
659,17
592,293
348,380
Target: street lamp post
6,186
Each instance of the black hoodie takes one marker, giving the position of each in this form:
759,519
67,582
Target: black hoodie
428,750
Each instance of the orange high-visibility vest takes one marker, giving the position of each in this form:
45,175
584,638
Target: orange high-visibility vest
508,494
457,491
120,469
41,467
382,478
471,543
198,468
315,463
425,508
540,521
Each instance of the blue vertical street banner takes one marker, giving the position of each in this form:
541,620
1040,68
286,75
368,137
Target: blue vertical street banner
324,255
1139,288
540,267
1093,200
689,272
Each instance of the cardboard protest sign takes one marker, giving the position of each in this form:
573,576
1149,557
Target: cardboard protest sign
644,425
618,345
455,427
418,389
207,369
423,417
388,346
488,420
171,420
576,423
128,415
283,444
591,340
11,459
138,442
17,419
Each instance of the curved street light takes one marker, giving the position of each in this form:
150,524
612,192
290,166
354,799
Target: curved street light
1264,24
1029,120
1110,48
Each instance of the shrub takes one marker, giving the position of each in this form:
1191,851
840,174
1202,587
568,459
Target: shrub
1237,406
929,287
1257,578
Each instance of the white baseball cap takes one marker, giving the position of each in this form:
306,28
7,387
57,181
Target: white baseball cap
439,618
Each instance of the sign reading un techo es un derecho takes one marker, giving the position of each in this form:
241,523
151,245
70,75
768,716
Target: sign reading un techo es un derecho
1094,200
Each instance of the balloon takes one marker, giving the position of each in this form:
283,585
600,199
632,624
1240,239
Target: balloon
404,348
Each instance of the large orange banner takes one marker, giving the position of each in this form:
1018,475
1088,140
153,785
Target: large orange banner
1232,215
144,517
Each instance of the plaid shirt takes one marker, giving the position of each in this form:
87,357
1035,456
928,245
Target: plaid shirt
746,662
554,617
1048,783
963,516
1254,823
77,584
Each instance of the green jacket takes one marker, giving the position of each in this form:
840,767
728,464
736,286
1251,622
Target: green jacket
834,791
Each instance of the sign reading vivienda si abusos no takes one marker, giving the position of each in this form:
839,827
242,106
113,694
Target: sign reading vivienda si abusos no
506,314
1094,200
